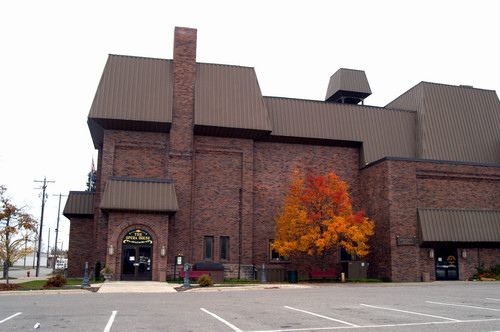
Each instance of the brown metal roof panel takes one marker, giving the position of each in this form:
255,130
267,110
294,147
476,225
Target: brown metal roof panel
383,132
462,124
456,123
229,96
440,225
134,88
79,203
153,195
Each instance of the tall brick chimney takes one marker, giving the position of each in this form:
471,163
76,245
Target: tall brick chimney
181,133
180,166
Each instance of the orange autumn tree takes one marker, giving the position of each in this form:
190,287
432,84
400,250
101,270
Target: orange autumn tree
317,219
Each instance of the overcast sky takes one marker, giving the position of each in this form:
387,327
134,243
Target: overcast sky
53,53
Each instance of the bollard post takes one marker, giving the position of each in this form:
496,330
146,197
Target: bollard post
186,276
263,279
342,277
86,281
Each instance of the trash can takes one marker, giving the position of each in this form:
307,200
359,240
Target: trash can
293,277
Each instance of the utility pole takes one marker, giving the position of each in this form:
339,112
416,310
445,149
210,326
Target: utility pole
57,230
48,248
44,187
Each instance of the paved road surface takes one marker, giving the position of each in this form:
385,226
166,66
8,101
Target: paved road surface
460,306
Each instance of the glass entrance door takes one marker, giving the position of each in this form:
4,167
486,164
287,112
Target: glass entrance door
446,264
137,263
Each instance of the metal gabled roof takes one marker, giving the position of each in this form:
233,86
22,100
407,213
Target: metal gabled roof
455,123
229,97
134,93
149,195
79,203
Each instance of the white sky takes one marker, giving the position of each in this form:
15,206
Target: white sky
53,52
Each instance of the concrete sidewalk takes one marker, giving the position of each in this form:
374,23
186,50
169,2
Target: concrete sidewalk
137,287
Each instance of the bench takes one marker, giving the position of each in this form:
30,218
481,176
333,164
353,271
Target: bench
193,274
318,274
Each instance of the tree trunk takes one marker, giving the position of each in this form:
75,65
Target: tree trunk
6,271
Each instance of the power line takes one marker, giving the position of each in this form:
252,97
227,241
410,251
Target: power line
43,187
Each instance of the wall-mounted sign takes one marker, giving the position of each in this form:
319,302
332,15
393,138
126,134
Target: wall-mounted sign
406,240
138,236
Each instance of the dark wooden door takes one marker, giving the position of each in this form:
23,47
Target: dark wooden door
137,262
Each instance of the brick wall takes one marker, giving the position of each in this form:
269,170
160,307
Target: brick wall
80,248
409,185
223,167
375,197
273,167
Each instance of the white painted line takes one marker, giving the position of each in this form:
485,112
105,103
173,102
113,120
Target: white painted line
222,320
321,316
410,312
6,319
489,298
463,305
330,328
110,321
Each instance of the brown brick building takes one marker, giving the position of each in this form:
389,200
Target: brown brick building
195,162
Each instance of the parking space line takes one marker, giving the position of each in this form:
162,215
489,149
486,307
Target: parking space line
110,321
6,319
222,320
331,328
463,305
489,298
321,316
410,312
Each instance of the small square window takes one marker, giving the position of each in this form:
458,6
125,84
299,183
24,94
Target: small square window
274,256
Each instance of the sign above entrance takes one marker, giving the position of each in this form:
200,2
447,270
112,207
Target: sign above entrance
138,236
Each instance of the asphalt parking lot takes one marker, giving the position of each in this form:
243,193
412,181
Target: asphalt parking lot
383,307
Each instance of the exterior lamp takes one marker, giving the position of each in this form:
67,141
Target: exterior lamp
163,251
111,250
464,253
431,253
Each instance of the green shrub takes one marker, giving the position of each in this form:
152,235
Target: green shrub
205,281
57,281
491,273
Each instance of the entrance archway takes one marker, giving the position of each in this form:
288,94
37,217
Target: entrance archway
137,255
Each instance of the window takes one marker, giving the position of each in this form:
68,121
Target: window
208,248
345,256
274,256
224,248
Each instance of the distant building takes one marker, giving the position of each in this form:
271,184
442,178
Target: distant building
194,164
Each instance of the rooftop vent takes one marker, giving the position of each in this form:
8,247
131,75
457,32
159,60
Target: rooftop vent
348,86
